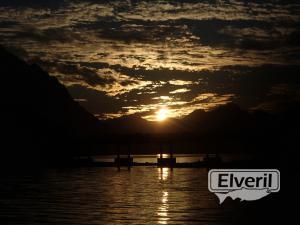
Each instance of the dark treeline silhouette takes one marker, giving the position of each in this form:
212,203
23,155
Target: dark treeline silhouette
41,124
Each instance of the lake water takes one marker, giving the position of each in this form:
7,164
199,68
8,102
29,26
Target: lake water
144,195
180,158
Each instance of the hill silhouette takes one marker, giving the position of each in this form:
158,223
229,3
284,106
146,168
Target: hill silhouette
40,121
229,118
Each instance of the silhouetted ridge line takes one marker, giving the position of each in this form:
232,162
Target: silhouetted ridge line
41,123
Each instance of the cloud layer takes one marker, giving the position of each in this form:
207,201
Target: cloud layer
142,55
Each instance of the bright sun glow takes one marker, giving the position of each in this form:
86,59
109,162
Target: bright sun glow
162,114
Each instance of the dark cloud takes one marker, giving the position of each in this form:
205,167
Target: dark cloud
68,70
46,36
33,3
134,56
250,85
97,102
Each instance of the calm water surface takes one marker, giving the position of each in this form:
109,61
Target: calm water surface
180,158
144,195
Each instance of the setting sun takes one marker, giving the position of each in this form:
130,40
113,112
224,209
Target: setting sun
162,114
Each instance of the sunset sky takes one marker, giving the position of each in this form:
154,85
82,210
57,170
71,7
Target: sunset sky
161,58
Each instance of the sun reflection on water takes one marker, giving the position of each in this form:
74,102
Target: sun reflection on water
163,173
163,209
164,155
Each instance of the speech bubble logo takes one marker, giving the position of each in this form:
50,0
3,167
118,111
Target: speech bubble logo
243,184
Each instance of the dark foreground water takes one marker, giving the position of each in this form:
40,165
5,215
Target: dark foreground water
144,195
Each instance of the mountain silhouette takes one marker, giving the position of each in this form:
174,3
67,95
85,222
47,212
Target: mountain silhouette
42,125
40,121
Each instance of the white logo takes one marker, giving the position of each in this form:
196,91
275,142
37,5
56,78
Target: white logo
245,184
